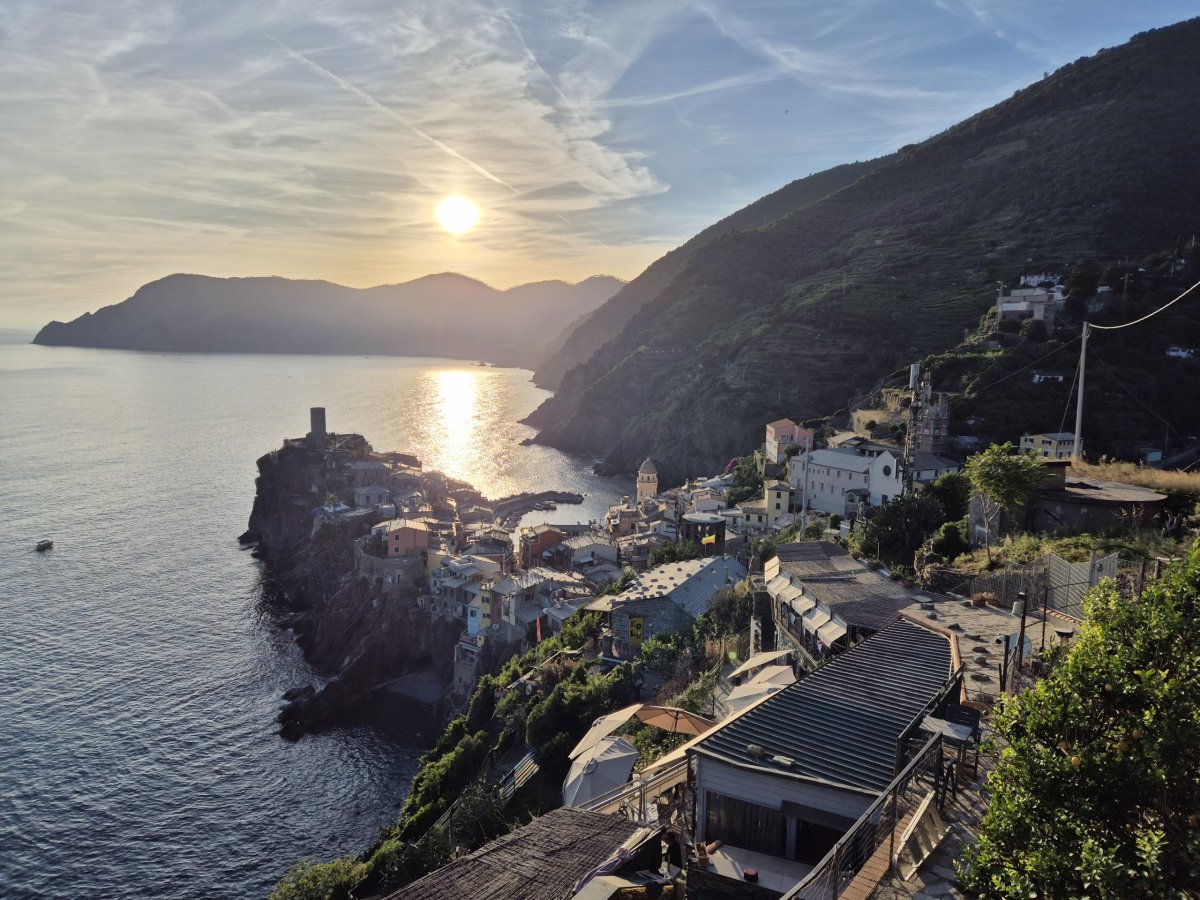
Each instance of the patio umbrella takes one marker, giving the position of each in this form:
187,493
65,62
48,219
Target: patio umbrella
603,727
605,766
674,719
758,659
744,695
780,675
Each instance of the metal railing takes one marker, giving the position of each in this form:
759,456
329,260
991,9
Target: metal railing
875,828
630,800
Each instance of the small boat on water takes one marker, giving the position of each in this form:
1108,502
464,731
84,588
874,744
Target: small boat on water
43,546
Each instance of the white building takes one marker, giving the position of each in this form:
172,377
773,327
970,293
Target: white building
1052,445
840,479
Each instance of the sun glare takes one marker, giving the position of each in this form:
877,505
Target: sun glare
457,214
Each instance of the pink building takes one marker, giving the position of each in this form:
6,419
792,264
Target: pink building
402,536
783,434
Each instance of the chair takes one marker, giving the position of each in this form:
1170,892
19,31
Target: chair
964,715
969,716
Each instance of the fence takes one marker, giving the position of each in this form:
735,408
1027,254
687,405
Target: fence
870,845
1051,579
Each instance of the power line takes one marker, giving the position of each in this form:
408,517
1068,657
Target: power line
1136,398
1027,366
1070,393
1148,315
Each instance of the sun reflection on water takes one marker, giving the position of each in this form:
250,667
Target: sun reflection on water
457,405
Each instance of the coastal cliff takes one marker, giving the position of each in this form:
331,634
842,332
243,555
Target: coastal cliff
347,625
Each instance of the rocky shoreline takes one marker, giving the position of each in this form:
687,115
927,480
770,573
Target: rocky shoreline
347,626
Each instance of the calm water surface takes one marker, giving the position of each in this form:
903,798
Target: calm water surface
138,755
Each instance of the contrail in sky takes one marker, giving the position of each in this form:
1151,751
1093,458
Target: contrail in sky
371,101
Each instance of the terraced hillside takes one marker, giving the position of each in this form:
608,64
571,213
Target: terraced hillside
1096,162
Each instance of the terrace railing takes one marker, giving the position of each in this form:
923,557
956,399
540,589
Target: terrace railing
869,847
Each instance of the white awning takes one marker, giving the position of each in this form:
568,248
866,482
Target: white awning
777,584
814,619
831,631
790,593
758,659
801,605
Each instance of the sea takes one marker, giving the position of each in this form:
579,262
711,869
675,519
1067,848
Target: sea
141,665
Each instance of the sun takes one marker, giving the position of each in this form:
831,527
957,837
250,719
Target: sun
457,214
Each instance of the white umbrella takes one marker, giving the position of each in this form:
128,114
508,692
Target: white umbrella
602,768
780,675
744,695
603,727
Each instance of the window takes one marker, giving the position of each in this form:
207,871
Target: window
744,824
887,471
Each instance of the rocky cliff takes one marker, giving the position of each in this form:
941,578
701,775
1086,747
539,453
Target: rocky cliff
345,624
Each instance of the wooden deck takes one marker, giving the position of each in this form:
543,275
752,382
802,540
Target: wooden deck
872,872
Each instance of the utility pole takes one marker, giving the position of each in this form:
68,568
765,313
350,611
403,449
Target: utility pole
804,500
999,300
1077,456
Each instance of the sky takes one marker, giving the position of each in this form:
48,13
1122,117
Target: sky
315,138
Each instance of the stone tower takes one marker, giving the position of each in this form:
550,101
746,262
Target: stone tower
647,481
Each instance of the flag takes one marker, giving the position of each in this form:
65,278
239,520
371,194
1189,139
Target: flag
711,539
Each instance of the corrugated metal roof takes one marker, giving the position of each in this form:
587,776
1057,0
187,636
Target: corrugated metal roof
840,723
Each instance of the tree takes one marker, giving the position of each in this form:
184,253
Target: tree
899,528
1095,792
1002,480
671,552
747,482
953,491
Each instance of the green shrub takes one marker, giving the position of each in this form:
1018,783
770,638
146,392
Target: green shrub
320,881
1095,790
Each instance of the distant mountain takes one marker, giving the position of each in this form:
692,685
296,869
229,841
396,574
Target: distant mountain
584,337
438,315
1095,162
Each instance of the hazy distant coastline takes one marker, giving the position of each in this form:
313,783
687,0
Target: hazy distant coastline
443,315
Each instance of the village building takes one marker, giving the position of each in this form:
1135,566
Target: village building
402,537
583,552
781,783
1071,504
1030,303
845,480
777,499
370,471
622,518
783,435
551,858
371,495
824,601
665,599
647,481
1053,445
929,467
534,541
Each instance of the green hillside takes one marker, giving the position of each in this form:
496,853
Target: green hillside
1096,162
585,336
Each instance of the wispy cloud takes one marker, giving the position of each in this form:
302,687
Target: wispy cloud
312,138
